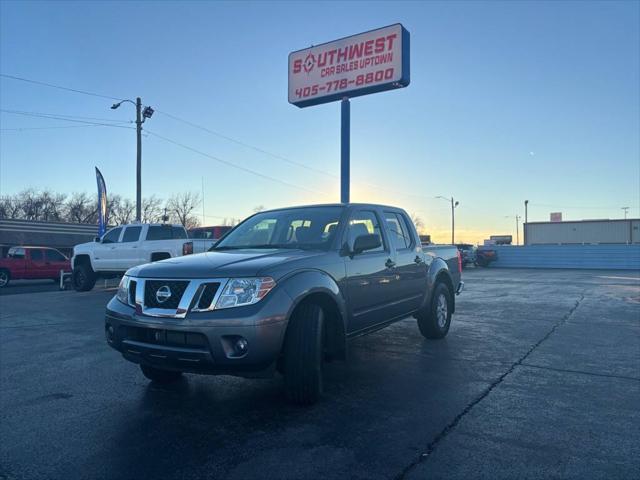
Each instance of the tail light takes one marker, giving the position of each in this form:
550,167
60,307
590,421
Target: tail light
187,248
459,262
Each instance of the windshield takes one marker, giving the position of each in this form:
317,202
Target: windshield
307,228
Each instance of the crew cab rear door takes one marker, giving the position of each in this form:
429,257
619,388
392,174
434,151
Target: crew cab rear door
370,274
410,268
128,249
36,266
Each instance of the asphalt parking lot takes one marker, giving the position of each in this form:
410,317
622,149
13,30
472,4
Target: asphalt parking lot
538,377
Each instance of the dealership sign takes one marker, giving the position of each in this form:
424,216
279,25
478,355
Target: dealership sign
366,63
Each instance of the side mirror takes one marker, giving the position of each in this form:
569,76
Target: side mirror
366,242
96,239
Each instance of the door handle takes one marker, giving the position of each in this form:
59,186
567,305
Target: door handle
389,263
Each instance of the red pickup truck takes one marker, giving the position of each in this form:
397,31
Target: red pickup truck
30,263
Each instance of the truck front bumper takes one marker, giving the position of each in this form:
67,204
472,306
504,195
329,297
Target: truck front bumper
243,341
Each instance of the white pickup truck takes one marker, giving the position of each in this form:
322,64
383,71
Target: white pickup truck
126,246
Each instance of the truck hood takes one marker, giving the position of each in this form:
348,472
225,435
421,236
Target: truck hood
83,247
229,263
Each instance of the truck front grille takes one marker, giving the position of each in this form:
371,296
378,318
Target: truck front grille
170,338
155,293
208,294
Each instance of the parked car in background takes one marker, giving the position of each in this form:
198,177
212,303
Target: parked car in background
468,252
32,263
485,256
205,237
124,247
283,291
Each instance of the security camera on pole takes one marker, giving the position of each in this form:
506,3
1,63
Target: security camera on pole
141,116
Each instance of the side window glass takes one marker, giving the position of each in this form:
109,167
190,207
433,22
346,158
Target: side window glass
159,232
112,235
131,234
36,255
362,223
54,256
178,232
16,252
397,227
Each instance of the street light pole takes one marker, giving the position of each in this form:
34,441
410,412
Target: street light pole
626,209
141,116
518,217
454,204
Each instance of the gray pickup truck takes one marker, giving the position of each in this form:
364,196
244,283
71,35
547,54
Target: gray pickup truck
283,291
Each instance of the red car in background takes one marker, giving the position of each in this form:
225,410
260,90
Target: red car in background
32,263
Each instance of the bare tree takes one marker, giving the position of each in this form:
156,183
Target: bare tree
81,209
10,208
181,207
259,208
122,211
151,209
52,206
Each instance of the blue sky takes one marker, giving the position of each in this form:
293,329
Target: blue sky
507,102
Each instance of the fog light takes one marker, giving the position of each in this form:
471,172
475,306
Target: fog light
110,333
241,346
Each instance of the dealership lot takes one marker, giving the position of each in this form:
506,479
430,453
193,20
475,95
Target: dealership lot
539,376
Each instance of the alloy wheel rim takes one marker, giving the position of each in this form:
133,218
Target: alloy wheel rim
3,279
441,310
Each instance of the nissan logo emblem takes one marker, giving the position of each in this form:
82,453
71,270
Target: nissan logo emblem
163,294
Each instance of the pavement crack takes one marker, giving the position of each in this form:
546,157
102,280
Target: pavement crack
580,372
454,423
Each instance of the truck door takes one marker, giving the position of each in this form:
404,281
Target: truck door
36,267
55,262
128,251
105,252
410,266
369,274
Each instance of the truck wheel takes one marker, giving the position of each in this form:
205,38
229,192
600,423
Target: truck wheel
303,355
84,278
5,277
160,376
435,322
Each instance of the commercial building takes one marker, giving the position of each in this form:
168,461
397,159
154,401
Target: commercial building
62,236
583,232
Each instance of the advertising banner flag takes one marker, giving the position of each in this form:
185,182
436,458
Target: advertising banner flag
102,203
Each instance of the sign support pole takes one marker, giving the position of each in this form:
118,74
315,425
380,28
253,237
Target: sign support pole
345,134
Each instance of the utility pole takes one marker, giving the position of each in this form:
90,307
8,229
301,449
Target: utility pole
626,209
141,116
526,220
518,217
454,204
138,159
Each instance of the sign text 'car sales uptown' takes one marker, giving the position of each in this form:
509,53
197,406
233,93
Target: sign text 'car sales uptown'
365,63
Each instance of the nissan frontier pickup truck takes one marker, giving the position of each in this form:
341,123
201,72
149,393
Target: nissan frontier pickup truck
283,292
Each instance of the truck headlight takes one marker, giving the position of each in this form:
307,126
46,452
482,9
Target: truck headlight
244,291
123,290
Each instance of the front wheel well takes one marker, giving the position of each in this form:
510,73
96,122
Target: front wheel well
82,260
157,256
334,333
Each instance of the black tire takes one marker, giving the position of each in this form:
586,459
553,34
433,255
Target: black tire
304,355
5,277
158,375
434,323
84,278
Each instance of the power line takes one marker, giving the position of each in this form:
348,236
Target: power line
57,127
53,117
239,167
282,158
51,85
68,116
247,145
